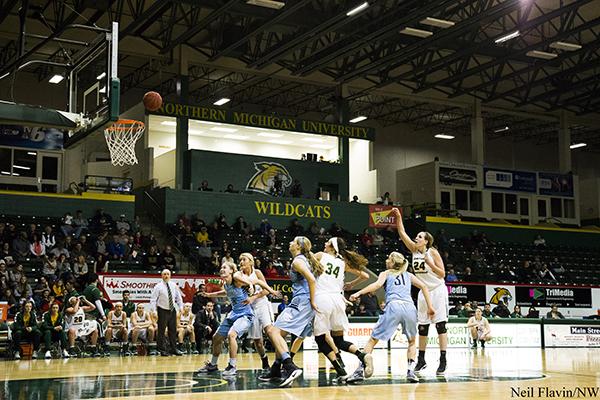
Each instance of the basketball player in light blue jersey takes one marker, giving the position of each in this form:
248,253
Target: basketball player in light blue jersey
399,310
238,321
297,317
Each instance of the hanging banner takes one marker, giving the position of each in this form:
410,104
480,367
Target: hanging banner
555,184
381,216
571,335
517,181
31,137
449,175
460,292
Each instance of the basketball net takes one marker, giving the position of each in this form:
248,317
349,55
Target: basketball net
121,138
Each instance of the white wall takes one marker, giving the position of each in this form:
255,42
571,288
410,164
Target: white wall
416,185
164,169
363,180
589,203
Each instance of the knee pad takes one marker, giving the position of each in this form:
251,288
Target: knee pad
441,327
423,330
324,347
341,344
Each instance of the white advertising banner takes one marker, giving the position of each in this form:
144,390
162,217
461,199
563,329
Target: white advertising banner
571,335
140,286
357,333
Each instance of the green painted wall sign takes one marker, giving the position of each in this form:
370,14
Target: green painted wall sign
265,121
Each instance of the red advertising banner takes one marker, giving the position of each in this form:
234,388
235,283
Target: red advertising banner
381,216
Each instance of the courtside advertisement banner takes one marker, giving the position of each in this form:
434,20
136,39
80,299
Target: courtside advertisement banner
357,333
567,335
381,216
504,335
540,296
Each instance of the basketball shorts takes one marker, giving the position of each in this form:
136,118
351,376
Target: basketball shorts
297,317
142,334
263,317
396,313
439,301
86,328
331,315
239,323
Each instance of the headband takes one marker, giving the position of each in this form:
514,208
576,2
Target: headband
334,243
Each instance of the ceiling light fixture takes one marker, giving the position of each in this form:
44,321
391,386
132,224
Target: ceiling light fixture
577,145
357,119
565,46
32,153
504,129
416,32
276,5
440,23
56,79
358,9
101,76
541,54
226,130
442,136
504,38
21,167
222,101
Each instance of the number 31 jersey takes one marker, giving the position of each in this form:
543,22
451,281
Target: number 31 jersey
424,271
332,278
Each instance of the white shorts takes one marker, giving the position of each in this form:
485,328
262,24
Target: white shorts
142,334
439,301
86,328
332,313
263,317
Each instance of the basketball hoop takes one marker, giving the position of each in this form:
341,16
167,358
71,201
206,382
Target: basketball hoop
121,138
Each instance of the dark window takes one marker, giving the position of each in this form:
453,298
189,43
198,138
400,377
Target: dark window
569,208
445,201
542,208
462,199
524,206
510,201
475,201
25,163
556,207
5,156
497,202
50,168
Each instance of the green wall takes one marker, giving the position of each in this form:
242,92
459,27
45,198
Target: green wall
519,234
56,205
220,169
254,208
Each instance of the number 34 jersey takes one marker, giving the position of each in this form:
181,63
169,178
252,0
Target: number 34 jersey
424,271
332,278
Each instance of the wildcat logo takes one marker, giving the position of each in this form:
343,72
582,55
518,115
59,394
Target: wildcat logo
502,294
266,176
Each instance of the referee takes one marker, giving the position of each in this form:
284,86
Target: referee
166,301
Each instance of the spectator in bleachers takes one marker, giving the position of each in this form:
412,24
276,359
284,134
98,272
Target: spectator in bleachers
284,303
6,254
336,230
443,243
80,267
545,274
7,296
128,305
230,189
58,289
206,258
50,267
366,241
467,275
386,199
151,260
70,290
60,249
101,263
240,226
378,239
222,222
48,238
295,228
456,309
265,227
451,276
52,329
136,225
3,232
215,260
487,310
539,242
313,229
204,187
227,258
516,312
271,271
101,244
63,266
188,237
80,223
199,301
22,289
466,311
362,311
168,260
16,274
557,267
477,259
554,313
271,239
40,286
533,313
355,199
31,230
116,250
381,307
4,273
123,224
69,244
67,227
371,304
21,245
11,233
501,311
246,245
203,236
25,328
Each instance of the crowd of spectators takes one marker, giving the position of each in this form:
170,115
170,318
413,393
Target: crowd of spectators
501,310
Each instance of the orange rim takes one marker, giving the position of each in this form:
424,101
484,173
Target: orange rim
125,124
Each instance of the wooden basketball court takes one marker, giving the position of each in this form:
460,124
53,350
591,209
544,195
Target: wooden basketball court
481,374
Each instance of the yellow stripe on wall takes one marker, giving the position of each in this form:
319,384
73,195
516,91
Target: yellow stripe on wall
84,196
458,221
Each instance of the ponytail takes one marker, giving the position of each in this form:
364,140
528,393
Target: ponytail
305,246
356,260
400,263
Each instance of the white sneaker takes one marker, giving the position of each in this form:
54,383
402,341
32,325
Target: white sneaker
230,371
368,366
65,354
48,355
17,355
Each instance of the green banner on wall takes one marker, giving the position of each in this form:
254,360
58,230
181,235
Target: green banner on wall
265,121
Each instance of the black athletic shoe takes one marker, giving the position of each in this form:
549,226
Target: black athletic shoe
421,365
442,368
290,373
274,373
474,345
483,344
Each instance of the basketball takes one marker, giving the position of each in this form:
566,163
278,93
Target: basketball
152,101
